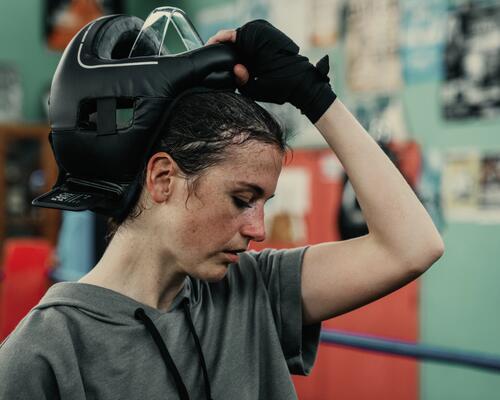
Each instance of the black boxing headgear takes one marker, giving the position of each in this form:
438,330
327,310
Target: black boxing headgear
99,160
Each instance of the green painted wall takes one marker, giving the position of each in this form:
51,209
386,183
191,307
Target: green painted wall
460,309
21,43
460,295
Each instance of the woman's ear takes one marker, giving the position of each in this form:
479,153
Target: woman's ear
161,170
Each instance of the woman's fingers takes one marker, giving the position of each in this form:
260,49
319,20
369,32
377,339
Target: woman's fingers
241,74
229,35
225,35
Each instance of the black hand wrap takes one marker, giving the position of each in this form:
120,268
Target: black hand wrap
279,74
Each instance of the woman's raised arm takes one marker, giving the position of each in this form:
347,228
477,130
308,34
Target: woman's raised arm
402,241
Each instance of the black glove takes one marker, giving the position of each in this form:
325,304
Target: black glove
278,74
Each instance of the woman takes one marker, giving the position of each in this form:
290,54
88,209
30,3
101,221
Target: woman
176,307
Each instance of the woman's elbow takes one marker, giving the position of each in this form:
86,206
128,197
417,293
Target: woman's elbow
429,254
437,250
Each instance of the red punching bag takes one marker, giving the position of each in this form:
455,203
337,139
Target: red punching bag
24,280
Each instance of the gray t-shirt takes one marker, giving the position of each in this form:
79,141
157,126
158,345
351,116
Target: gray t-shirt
83,341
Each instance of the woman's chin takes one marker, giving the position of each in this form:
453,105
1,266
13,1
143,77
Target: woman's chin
212,270
216,272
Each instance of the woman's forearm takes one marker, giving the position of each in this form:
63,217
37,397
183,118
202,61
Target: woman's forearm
394,215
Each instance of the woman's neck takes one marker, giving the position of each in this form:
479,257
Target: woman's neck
132,266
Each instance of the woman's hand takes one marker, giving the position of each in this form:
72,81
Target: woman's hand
229,35
274,71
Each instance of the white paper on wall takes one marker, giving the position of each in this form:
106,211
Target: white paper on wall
325,21
461,184
292,17
372,45
285,213
471,186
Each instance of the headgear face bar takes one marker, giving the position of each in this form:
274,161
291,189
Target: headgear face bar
119,65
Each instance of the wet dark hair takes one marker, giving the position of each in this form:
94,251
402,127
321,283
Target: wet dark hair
199,131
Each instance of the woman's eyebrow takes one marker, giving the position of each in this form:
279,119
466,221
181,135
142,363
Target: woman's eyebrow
254,188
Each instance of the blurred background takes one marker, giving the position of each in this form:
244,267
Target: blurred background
422,76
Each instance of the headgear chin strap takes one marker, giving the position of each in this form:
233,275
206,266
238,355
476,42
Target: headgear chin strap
99,158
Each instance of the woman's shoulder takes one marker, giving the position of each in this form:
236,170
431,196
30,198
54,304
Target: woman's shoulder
269,261
47,327
40,328
270,256
32,346
29,353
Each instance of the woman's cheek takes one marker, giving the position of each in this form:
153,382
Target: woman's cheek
205,228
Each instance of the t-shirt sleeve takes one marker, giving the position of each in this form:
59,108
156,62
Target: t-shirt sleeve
281,271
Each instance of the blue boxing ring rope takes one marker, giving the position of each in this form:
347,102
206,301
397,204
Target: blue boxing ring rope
410,349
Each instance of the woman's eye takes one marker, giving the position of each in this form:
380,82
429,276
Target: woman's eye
240,203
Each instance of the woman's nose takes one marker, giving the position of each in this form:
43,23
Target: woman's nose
254,228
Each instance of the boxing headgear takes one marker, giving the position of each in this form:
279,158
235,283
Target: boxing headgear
119,64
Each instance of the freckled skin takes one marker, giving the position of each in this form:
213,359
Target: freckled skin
210,222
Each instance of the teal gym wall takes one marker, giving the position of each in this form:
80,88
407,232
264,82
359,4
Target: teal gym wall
460,295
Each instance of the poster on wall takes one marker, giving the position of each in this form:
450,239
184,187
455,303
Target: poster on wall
471,186
64,18
423,27
461,184
372,45
489,182
471,85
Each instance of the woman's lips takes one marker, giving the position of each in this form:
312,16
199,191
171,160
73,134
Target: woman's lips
232,257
